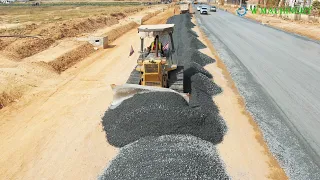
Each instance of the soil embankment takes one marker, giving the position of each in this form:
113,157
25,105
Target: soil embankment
57,47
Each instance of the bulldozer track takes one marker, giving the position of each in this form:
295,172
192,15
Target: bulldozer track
134,77
176,79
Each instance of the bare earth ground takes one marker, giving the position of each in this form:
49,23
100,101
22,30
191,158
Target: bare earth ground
308,29
24,63
13,17
54,131
243,149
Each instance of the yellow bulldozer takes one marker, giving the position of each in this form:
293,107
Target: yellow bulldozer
156,68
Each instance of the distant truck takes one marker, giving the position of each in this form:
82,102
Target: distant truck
184,8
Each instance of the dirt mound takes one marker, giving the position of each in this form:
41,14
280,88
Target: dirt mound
117,32
5,42
9,97
119,15
150,15
69,59
165,16
23,48
73,28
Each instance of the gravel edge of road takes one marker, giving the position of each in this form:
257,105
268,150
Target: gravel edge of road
286,147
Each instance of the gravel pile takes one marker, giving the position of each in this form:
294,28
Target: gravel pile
187,45
166,157
202,91
157,114
160,134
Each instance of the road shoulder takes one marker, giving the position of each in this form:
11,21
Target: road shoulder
243,150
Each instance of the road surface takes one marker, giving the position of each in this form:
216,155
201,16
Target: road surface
278,74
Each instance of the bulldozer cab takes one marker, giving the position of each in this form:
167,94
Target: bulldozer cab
164,34
154,72
153,65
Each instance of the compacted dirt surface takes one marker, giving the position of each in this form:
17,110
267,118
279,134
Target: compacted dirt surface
63,129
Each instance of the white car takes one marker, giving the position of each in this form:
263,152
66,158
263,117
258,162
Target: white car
204,10
198,8
213,8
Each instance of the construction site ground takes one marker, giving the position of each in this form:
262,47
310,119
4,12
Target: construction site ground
52,129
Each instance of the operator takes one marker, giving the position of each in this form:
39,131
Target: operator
152,47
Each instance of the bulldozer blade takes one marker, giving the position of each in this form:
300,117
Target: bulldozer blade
126,91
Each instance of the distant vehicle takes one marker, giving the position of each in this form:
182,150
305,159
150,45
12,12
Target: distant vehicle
198,8
213,9
184,8
195,2
204,10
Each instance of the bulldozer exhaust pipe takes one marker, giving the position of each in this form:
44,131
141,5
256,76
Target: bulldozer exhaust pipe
157,40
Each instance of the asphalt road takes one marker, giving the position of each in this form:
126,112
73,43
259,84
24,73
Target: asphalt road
278,74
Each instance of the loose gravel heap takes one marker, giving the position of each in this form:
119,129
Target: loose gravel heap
160,134
166,157
160,113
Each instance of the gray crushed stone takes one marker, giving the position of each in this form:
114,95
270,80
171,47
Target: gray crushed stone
197,68
202,82
160,113
166,157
